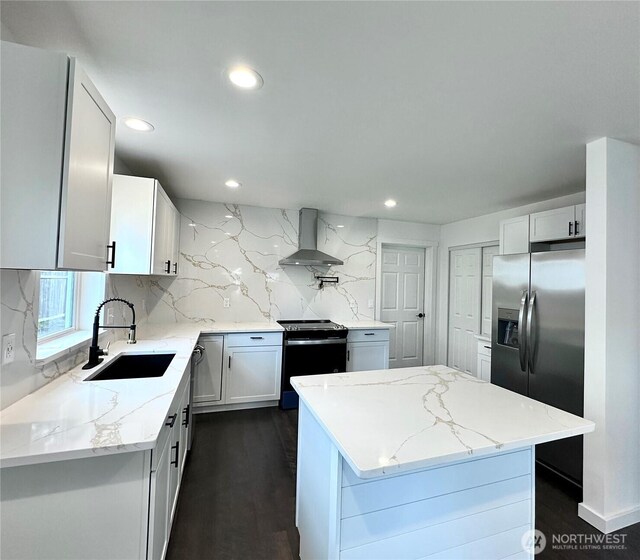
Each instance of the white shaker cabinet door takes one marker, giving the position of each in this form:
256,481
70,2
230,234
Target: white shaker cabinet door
159,505
514,235
552,224
208,375
162,234
365,356
87,176
252,374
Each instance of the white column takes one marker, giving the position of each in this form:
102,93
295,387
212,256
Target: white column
612,336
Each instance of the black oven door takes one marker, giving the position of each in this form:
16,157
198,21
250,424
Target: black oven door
310,357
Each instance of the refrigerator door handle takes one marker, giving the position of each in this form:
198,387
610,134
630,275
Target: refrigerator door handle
530,336
522,347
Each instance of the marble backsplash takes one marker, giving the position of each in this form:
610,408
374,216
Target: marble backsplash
226,251
232,252
19,314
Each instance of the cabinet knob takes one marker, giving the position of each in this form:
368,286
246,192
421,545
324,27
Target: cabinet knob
420,315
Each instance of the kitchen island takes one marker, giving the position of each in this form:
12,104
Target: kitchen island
422,462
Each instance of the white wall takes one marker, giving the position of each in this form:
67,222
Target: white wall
480,230
612,336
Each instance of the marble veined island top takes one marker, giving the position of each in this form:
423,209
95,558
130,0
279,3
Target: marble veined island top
388,421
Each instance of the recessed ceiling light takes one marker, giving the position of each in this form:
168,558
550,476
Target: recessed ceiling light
192,225
340,226
245,77
137,124
390,203
232,184
228,216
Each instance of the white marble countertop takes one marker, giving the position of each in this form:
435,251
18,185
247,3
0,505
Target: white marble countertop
397,420
72,418
357,325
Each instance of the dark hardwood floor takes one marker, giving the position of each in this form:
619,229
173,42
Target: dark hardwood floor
237,500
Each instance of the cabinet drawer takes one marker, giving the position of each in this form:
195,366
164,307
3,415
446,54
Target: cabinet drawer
254,339
484,348
368,335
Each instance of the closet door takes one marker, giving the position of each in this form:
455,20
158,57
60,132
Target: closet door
465,269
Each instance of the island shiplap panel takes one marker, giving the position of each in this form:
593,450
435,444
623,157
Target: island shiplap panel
444,536
503,545
363,529
383,493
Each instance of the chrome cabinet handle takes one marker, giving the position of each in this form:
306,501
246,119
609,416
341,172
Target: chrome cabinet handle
171,420
530,337
257,338
168,267
185,419
229,362
522,346
348,355
175,268
570,228
112,262
576,226
369,334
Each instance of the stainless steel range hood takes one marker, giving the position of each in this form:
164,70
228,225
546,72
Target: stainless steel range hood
307,253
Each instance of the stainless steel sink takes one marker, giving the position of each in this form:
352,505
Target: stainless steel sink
131,365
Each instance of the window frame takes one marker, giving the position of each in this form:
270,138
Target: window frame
77,287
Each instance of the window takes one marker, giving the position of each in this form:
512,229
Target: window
58,303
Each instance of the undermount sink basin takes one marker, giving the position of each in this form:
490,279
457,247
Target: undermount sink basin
134,366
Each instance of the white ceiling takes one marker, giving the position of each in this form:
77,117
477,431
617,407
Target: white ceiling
454,109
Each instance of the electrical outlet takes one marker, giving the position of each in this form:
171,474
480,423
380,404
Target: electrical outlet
8,348
226,302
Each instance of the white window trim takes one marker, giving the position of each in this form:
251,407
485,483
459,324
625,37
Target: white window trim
74,321
90,291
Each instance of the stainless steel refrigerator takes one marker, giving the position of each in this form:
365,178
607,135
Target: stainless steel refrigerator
537,339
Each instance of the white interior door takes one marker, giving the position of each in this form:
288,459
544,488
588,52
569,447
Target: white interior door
402,303
464,307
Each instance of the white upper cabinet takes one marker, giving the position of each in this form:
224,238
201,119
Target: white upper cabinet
581,220
559,224
145,227
553,225
514,235
58,137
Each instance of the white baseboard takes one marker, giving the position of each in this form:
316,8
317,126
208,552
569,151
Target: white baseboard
610,523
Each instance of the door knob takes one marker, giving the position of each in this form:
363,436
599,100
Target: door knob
420,315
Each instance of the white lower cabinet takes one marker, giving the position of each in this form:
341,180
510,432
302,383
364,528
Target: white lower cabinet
238,369
252,374
483,370
208,375
368,350
118,505
159,505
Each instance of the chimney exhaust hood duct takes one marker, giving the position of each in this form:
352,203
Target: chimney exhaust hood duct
307,253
